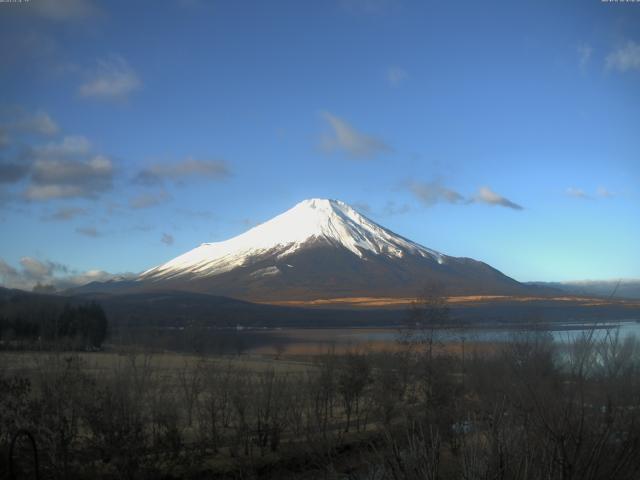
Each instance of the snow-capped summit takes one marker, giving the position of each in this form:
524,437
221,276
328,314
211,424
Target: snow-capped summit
311,221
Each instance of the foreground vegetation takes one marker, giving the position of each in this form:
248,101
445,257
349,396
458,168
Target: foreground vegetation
530,409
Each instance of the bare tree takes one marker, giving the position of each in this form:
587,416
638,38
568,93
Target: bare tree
353,377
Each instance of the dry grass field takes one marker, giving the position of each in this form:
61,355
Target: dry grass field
328,408
389,302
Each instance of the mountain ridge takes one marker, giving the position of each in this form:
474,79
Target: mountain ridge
311,220
320,248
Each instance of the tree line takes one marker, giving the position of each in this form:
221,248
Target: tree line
80,326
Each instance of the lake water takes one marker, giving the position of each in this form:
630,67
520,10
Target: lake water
319,340
561,333
294,340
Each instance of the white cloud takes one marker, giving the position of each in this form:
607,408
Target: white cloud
66,169
112,79
49,192
601,192
63,10
16,121
577,192
32,272
180,171
396,76
347,139
61,177
148,200
88,232
36,270
584,55
70,146
604,192
39,122
66,213
625,58
434,192
82,278
488,196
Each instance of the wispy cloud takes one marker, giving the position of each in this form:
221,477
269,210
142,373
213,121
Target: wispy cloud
625,58
396,76
201,214
148,200
601,192
70,146
18,121
39,122
345,138
91,232
577,192
434,192
584,55
167,239
489,197
113,78
63,10
391,208
189,168
64,214
363,207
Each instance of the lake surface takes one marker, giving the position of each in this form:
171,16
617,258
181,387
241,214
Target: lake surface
319,340
561,333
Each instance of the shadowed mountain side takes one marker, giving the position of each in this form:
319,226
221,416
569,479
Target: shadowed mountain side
330,271
324,271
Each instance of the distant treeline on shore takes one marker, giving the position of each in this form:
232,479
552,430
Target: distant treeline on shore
82,326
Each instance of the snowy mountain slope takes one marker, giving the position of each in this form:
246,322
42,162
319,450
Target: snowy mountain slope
313,220
321,249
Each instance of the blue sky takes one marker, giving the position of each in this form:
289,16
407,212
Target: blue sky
131,132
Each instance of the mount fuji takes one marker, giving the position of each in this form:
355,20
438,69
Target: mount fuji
319,249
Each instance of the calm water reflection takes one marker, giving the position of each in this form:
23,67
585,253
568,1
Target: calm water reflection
561,333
